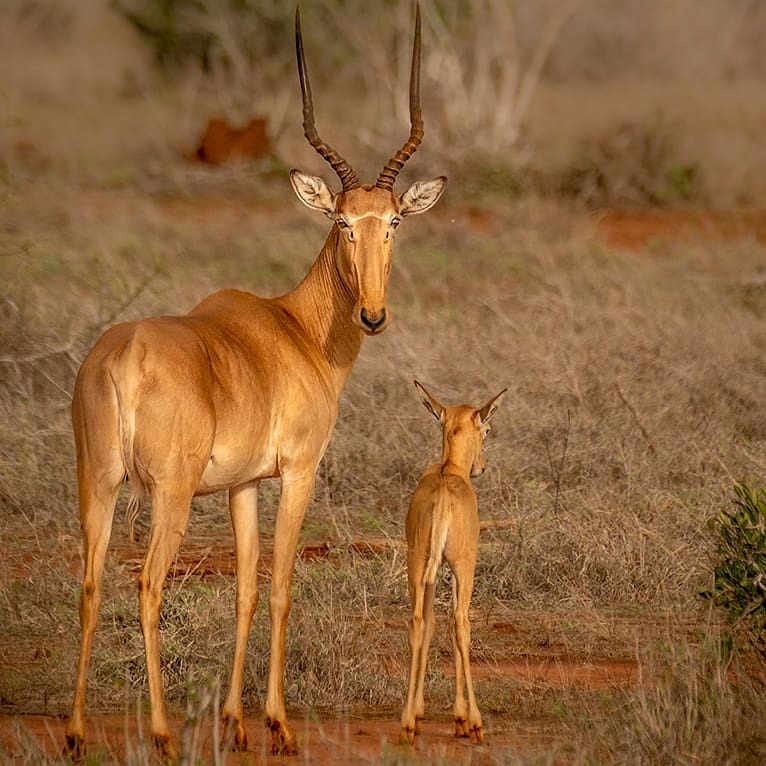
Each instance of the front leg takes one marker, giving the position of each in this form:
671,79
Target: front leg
243,506
296,492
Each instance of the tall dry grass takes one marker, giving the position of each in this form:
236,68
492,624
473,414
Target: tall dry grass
633,402
632,381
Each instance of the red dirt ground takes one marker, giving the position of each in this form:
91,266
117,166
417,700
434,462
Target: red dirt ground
633,230
335,738
326,740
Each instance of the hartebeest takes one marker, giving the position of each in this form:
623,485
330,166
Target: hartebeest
240,389
443,523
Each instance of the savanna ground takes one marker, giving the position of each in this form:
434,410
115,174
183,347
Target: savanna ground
602,254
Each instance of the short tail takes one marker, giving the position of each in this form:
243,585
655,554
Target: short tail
126,408
135,505
440,520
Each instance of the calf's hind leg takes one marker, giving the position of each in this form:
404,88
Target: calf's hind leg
420,632
467,717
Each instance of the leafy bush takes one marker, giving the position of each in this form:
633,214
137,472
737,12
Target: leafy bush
739,587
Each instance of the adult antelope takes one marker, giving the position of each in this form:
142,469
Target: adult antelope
443,523
240,389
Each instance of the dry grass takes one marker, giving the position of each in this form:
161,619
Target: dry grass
632,410
699,709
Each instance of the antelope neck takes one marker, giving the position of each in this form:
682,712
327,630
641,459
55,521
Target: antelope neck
323,304
455,460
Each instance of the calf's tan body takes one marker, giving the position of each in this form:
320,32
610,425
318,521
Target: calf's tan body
443,524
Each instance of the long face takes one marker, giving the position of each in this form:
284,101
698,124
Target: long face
366,219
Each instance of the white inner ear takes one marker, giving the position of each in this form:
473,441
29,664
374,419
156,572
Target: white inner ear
421,196
312,191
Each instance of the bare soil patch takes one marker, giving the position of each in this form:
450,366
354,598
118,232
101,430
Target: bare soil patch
633,230
323,739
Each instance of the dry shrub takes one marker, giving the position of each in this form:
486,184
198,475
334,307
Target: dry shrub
693,707
631,165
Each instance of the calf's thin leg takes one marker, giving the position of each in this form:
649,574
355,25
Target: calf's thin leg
469,725
428,634
417,633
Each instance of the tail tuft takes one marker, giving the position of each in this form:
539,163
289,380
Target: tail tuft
439,527
135,505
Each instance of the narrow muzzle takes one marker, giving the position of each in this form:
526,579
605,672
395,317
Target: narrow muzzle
373,321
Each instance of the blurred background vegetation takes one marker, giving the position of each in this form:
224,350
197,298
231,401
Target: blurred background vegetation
635,102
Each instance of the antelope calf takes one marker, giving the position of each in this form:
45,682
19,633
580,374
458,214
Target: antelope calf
443,523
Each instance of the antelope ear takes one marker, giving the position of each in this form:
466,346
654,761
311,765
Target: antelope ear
431,404
421,196
312,191
488,410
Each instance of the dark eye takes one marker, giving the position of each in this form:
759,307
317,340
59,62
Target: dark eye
395,222
340,223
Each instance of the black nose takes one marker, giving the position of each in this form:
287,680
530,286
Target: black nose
373,321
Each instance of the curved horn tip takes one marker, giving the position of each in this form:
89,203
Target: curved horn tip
393,167
345,172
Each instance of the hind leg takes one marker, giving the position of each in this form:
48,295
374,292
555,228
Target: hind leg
467,717
170,513
97,501
428,634
419,634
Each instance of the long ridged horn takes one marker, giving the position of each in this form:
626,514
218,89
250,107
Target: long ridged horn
348,177
396,163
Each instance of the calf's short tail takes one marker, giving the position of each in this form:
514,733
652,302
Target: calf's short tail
440,520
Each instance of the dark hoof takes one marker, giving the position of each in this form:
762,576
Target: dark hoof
282,743
75,748
234,737
164,749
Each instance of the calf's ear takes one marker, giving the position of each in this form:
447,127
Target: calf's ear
430,402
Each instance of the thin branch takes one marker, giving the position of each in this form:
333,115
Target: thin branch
557,469
632,410
542,51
